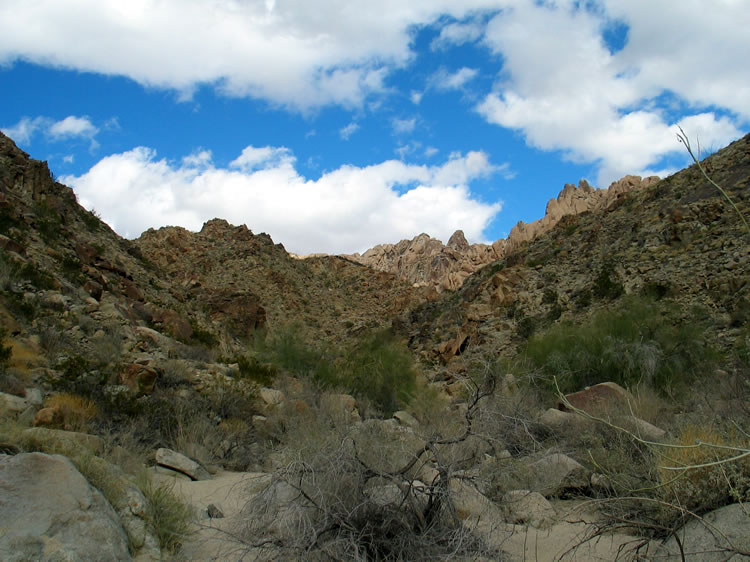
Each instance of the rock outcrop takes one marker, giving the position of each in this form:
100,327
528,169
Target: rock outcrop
426,261
49,511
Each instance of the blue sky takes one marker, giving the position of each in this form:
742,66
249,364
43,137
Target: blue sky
336,125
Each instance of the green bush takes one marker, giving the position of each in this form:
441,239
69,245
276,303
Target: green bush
376,366
382,369
635,343
607,284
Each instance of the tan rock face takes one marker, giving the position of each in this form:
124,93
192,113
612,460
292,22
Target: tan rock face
425,261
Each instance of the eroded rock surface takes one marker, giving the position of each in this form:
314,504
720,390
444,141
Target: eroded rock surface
48,511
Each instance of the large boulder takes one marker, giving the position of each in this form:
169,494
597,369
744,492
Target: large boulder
556,473
48,511
598,398
723,534
180,463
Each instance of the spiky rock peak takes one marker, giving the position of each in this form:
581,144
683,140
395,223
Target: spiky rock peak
426,261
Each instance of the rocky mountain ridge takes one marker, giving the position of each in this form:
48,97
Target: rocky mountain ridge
425,261
676,238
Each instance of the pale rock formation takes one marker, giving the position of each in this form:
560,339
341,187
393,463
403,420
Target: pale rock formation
49,511
426,261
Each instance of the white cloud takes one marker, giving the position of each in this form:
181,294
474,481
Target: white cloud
565,90
430,151
403,126
69,128
445,80
345,210
416,97
349,130
23,130
297,54
263,158
69,158
457,34
73,126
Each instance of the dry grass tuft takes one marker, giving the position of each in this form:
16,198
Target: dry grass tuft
78,411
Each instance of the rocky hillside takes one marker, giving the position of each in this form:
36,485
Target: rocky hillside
246,281
425,261
676,238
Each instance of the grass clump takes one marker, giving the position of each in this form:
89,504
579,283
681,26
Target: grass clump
169,517
78,412
699,475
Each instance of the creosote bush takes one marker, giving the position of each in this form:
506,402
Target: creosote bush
376,366
640,341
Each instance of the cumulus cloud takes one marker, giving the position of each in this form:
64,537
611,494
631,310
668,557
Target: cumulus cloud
345,210
446,80
569,91
73,126
68,128
297,54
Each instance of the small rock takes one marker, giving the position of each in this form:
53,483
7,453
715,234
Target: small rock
405,418
644,429
556,418
271,396
527,507
214,512
139,378
600,396
12,403
50,417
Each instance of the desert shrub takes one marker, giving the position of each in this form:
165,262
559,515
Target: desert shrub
251,368
634,343
231,398
5,350
325,502
91,219
78,376
106,348
693,476
78,411
71,270
382,369
203,337
607,284
290,351
175,374
36,277
376,366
